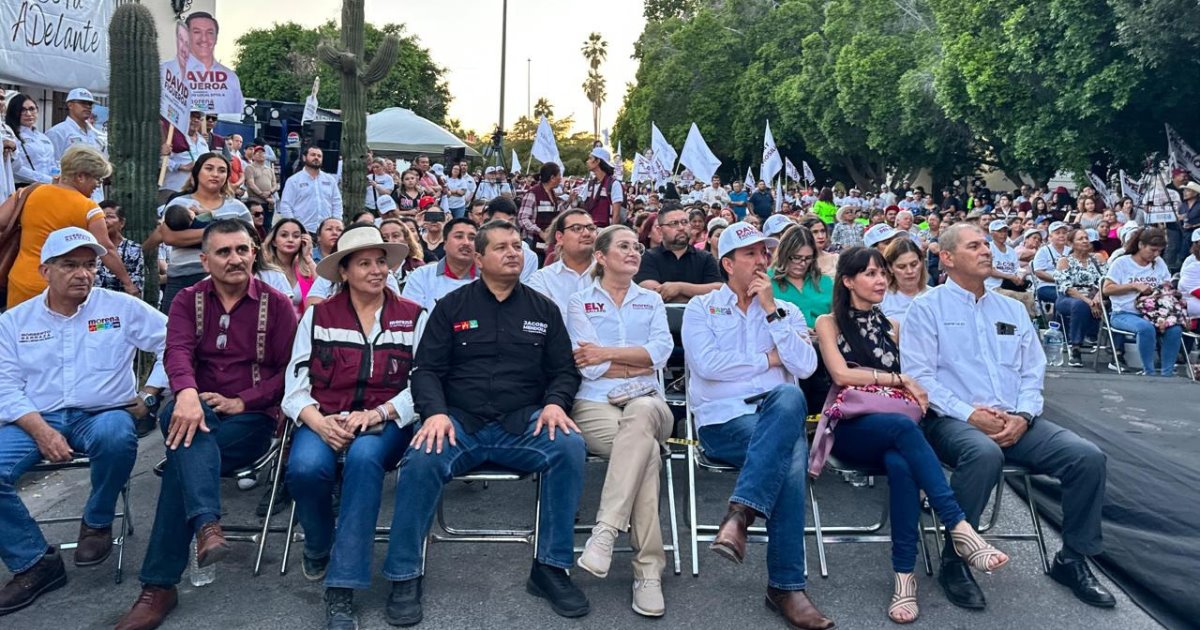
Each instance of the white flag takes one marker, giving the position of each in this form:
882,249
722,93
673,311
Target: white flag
1101,189
750,183
808,174
1182,155
698,157
772,163
641,169
1130,189
664,153
516,165
545,149
778,196
790,169
619,163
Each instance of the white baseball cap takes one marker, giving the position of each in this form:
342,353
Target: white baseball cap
997,225
1058,225
741,234
1030,232
600,153
490,169
67,240
80,94
776,224
1130,227
879,233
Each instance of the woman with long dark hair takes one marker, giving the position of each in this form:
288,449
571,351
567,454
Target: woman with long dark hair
1139,273
34,156
860,347
826,258
288,247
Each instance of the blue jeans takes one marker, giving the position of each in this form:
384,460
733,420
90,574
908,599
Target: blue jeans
771,450
1047,293
422,477
895,443
107,438
191,485
1147,336
1080,321
311,475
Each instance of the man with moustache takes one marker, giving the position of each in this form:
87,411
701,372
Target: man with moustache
311,195
227,374
429,283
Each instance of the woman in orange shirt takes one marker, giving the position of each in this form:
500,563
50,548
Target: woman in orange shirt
63,204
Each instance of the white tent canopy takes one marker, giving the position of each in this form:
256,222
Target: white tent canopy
399,130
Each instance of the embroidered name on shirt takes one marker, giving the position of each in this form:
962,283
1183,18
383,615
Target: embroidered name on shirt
593,307
34,337
538,328
404,323
104,323
642,307
467,325
720,310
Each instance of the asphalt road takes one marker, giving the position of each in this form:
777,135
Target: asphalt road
482,585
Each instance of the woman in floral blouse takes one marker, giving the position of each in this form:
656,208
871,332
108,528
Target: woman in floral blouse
1078,278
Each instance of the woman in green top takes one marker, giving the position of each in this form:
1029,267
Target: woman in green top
797,277
824,207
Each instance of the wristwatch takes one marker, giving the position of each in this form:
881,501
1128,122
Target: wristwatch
777,315
1025,414
148,399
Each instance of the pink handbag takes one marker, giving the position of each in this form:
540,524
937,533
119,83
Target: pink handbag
848,403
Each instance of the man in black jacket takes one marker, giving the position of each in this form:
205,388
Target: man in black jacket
494,377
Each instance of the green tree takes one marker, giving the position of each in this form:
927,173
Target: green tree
542,108
595,50
279,63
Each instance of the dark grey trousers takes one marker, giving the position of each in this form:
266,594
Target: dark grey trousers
1046,449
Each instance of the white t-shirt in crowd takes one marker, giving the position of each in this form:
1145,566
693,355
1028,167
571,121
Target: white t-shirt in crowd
1126,270
1189,280
1005,262
895,305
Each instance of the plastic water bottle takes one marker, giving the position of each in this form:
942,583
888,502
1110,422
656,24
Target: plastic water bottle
197,575
1055,343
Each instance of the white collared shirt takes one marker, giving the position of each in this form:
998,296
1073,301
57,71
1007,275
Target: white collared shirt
67,133
640,320
34,158
179,165
50,362
429,283
1046,260
726,353
310,199
951,344
559,282
297,391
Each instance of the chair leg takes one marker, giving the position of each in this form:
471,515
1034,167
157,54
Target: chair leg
1037,524
692,527
924,544
671,506
820,535
277,479
537,515
126,531
287,543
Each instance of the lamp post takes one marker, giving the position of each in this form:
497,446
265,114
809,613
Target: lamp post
498,139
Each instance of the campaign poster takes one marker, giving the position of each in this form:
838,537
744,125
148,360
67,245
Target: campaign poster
194,78
57,43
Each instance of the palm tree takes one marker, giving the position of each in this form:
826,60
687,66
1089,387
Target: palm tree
543,108
595,50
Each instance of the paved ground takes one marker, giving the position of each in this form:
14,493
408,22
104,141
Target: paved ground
482,586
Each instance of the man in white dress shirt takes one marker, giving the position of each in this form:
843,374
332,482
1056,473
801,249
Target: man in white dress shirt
311,195
76,129
574,235
429,283
977,354
66,370
744,352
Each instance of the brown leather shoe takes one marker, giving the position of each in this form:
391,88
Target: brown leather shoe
211,545
151,608
25,587
797,610
94,547
730,541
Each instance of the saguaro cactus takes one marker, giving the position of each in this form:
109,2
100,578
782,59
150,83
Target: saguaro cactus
133,128
356,74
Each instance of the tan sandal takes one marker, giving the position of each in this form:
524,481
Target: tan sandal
975,551
903,608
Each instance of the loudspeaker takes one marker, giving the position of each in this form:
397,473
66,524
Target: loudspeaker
453,155
326,134
329,161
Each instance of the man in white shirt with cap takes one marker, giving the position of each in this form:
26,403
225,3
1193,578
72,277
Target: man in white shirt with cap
1046,261
67,386
978,356
744,352
776,225
76,129
879,235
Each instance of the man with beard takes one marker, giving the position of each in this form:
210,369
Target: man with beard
574,234
311,195
677,270
429,283
227,374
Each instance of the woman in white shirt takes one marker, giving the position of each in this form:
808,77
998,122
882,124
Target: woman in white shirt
1189,277
458,187
909,278
1136,274
620,334
379,189
33,159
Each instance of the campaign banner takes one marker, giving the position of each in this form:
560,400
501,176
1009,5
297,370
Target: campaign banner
62,44
194,78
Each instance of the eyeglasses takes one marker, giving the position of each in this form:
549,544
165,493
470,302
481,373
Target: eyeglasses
29,109
256,214
800,259
580,228
223,329
674,224
629,247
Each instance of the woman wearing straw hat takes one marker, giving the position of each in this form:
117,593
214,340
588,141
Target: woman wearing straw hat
347,390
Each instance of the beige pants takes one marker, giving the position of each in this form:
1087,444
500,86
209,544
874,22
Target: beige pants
631,439
1024,297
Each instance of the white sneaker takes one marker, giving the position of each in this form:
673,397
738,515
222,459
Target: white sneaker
597,553
648,598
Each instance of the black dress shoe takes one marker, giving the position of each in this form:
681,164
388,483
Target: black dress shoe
404,603
1077,576
339,609
959,585
555,586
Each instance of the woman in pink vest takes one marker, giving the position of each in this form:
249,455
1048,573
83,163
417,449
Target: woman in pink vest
347,390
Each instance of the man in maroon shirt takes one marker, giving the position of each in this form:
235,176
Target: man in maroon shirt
227,374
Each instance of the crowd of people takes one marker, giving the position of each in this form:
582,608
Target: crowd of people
523,322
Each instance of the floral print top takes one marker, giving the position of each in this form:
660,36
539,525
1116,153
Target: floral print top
1078,275
871,329
847,235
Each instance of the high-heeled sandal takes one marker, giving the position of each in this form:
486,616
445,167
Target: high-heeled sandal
904,599
975,551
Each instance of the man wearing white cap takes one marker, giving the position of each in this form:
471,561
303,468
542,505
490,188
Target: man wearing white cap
879,235
744,352
1046,260
67,385
604,195
489,189
1008,277
776,224
76,129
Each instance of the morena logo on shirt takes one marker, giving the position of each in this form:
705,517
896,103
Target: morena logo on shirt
104,323
466,325
593,307
720,310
